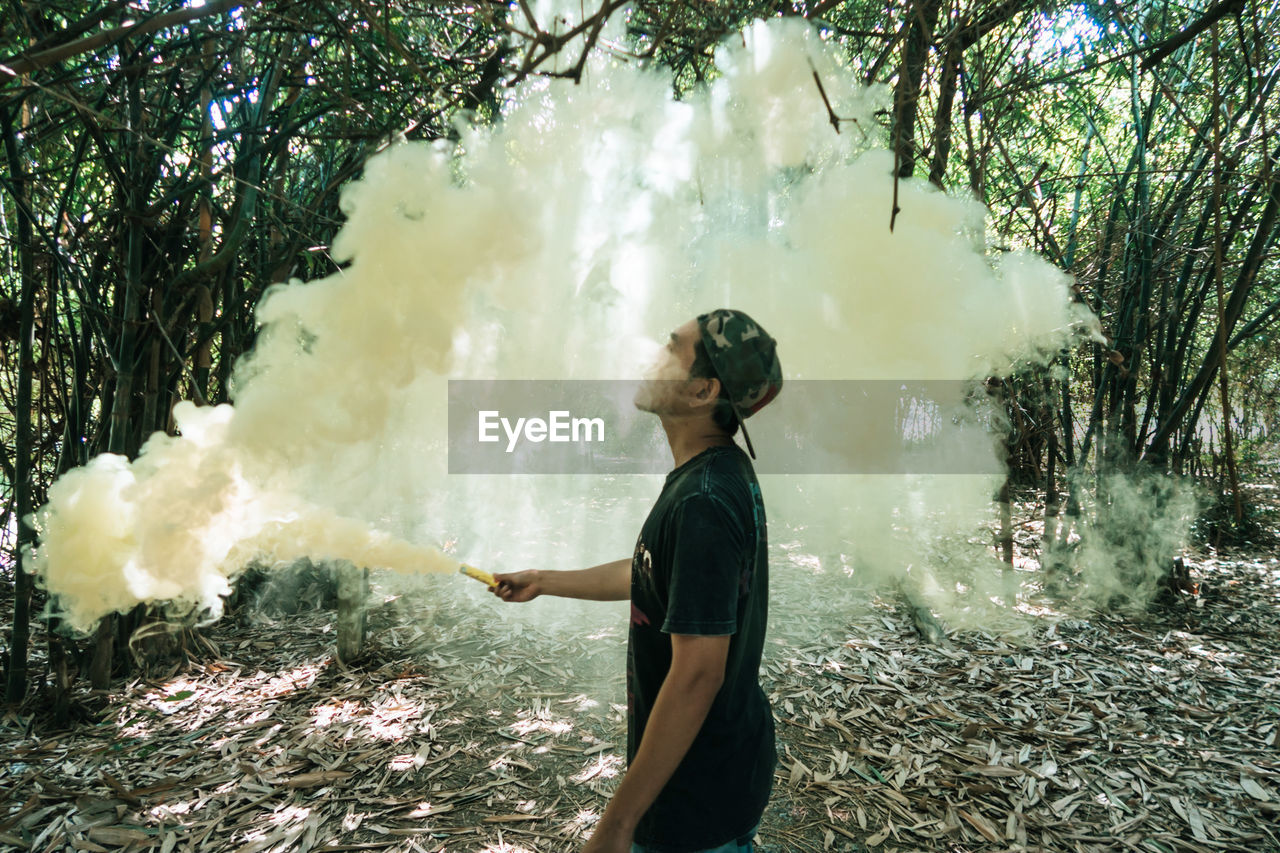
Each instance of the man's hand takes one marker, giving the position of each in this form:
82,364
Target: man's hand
609,838
518,586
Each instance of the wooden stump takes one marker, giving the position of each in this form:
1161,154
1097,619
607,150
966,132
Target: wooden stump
922,619
353,589
103,653
62,678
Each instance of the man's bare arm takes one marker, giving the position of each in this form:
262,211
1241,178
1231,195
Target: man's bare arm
691,685
605,582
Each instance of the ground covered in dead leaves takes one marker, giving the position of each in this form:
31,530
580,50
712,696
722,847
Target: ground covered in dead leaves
476,726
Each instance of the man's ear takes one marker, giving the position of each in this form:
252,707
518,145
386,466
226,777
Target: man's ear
709,391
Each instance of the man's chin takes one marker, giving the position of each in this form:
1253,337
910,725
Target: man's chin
644,400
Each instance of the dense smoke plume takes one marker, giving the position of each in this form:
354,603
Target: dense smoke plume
562,244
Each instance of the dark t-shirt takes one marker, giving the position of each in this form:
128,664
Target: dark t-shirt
700,567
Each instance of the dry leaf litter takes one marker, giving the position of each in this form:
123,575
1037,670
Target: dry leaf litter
470,727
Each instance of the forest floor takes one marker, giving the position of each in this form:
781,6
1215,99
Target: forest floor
470,725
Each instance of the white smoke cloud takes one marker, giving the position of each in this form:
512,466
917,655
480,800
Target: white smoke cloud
1131,526
560,244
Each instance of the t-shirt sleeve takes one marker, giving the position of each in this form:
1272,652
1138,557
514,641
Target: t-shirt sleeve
706,568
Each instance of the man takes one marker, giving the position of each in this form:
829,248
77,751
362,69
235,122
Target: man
700,743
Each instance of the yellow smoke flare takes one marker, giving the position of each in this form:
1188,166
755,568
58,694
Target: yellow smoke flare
478,574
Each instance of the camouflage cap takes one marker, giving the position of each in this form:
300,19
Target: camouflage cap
745,359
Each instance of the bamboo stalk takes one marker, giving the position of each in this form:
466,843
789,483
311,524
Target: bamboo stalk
20,636
1221,334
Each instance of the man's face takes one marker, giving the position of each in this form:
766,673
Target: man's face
667,388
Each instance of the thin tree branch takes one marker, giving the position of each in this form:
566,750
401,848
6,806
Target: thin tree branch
17,67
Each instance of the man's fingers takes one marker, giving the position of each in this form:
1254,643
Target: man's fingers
511,587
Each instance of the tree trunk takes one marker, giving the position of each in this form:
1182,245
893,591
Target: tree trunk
103,653
204,338
1264,234
121,436
1051,465
922,17
1227,445
61,695
942,119
353,589
20,638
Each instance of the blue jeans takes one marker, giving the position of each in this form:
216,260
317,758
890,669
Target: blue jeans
741,845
